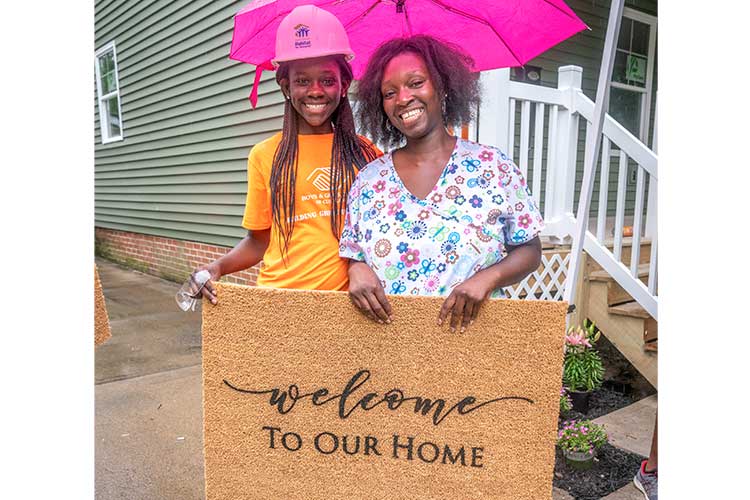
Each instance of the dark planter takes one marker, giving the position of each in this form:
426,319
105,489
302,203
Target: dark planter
580,401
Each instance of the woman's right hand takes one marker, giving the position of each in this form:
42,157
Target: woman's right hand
208,291
367,293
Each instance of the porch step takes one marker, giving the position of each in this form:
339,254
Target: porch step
627,326
650,331
615,293
632,309
627,241
602,275
644,257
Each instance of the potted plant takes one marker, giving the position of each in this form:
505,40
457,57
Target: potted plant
579,440
582,368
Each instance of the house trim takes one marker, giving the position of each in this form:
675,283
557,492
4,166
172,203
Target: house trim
103,123
652,21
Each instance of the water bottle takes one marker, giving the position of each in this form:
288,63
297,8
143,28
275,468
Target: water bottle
189,292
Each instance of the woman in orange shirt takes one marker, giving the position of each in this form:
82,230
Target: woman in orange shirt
298,179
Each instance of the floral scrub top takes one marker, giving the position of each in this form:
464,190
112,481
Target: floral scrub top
480,204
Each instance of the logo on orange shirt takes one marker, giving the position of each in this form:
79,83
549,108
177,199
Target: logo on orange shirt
320,178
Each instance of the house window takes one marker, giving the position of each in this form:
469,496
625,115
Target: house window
108,91
632,75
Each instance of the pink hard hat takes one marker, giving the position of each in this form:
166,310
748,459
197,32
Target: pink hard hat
309,31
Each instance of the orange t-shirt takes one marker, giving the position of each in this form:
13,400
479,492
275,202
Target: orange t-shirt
312,261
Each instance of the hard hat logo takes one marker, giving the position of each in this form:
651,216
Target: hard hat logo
302,33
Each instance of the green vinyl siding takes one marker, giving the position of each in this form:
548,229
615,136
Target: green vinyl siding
585,50
180,171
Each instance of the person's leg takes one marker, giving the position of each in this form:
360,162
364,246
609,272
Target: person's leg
646,479
653,459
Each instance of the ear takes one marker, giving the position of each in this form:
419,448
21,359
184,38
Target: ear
284,84
345,88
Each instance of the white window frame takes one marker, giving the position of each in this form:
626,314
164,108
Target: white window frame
651,21
103,116
647,91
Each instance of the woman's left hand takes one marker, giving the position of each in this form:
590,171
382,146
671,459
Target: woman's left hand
465,300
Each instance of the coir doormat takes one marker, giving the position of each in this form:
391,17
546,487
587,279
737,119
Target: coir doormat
306,399
102,331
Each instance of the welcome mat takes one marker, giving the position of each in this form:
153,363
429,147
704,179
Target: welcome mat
304,398
101,320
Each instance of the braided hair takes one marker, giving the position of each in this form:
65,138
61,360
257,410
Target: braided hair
349,153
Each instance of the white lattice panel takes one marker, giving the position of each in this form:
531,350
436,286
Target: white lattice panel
546,283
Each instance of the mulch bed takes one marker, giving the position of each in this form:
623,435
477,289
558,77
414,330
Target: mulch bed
601,402
613,468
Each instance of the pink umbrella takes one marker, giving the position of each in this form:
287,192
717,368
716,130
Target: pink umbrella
496,33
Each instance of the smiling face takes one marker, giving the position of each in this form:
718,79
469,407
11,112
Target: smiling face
410,100
315,88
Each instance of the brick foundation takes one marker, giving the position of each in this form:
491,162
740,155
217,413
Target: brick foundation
164,257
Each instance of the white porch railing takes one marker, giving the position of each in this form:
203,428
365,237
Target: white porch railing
547,155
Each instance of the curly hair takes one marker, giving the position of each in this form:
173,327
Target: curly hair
450,71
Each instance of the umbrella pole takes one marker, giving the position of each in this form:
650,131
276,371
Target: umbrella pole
593,140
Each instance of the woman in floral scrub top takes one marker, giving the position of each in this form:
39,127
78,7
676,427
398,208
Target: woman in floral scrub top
441,215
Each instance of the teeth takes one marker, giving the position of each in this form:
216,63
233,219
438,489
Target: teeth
411,115
315,107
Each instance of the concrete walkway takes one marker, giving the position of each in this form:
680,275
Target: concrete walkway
149,436
148,427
